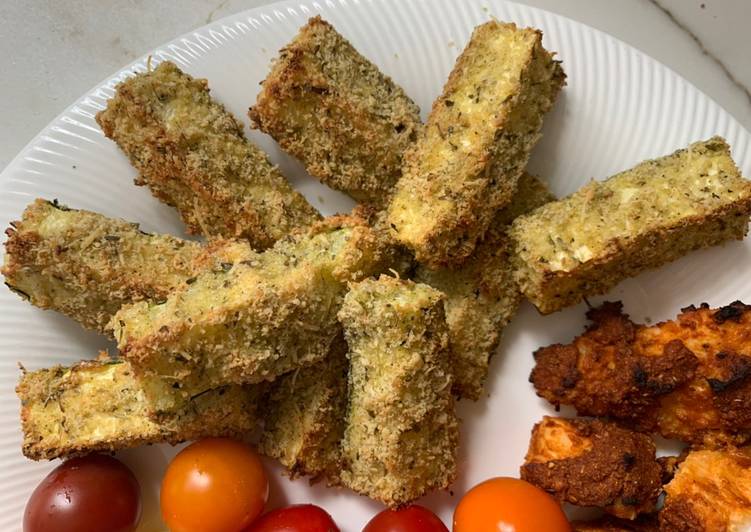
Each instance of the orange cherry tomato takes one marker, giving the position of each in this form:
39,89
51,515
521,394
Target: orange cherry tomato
213,485
509,504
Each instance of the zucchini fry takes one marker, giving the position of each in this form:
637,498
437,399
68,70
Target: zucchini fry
193,155
401,433
303,416
87,266
476,143
100,406
608,231
254,320
481,294
334,110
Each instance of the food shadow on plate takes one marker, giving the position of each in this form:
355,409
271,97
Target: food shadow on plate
713,275
549,157
277,480
75,343
327,200
148,465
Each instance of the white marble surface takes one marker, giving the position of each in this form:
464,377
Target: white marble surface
55,50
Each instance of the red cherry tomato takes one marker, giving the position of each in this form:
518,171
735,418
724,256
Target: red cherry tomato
213,485
509,504
296,518
95,493
410,519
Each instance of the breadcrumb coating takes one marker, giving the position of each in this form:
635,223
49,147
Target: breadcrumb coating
636,220
100,406
333,109
401,435
481,295
465,165
87,266
251,321
303,415
193,155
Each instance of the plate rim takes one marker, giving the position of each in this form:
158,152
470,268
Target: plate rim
261,11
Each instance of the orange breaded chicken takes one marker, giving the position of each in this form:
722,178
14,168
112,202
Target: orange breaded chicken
710,492
607,523
688,378
591,462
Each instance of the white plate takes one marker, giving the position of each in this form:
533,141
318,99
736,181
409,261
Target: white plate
619,108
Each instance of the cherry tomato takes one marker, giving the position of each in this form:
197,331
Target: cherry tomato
94,493
410,519
213,485
296,518
508,504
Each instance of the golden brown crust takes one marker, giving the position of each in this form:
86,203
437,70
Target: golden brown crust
710,491
401,435
193,155
87,266
714,409
607,523
611,230
100,406
254,320
688,379
475,145
303,415
602,374
590,462
481,295
334,110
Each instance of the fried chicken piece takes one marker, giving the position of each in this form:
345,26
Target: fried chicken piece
714,409
86,265
466,163
303,415
193,155
688,379
602,373
710,492
481,295
607,523
334,110
590,462
401,435
252,321
100,406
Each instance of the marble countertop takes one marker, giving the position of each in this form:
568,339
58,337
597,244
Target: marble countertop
56,50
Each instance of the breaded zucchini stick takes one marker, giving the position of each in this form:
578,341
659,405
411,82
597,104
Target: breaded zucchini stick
253,321
87,266
710,491
100,406
401,434
481,294
334,110
639,219
303,416
193,155
590,462
476,143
